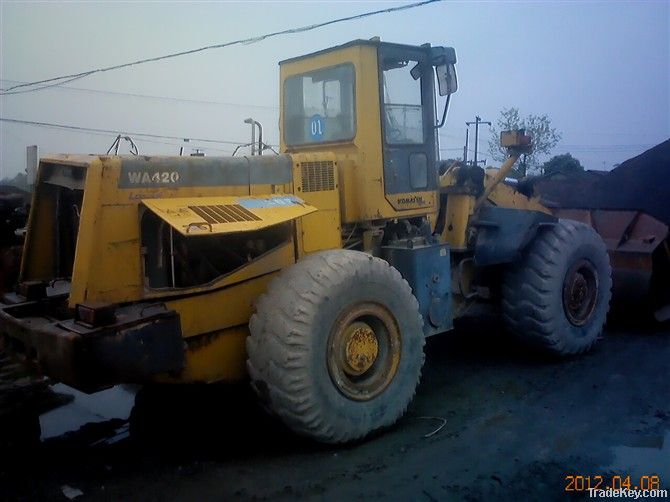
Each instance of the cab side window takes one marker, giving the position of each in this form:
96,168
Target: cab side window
319,106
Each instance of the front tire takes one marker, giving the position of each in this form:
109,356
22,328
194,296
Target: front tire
557,296
336,346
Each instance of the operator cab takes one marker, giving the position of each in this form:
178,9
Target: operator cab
319,105
375,102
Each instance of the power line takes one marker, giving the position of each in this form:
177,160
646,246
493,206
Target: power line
148,96
458,148
603,148
447,135
176,145
117,131
246,41
56,84
583,148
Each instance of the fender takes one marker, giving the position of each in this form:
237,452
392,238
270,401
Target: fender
503,233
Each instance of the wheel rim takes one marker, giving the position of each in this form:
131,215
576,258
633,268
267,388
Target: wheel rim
580,292
364,351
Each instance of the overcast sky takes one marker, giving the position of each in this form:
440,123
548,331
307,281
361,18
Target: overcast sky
600,70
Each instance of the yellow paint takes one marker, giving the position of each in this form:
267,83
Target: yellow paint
462,205
217,309
498,177
505,196
92,241
322,229
459,209
361,348
214,357
402,202
448,178
108,265
184,215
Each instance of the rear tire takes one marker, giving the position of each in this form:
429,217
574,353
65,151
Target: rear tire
336,346
557,296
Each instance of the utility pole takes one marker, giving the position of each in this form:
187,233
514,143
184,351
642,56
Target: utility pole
465,148
477,121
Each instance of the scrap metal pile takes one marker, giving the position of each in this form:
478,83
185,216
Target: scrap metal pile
14,205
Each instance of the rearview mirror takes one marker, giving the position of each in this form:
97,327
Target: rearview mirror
446,79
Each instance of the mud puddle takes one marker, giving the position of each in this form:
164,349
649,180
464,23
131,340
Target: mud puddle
646,456
114,403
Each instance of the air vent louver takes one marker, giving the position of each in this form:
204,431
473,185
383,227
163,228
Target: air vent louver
224,214
318,176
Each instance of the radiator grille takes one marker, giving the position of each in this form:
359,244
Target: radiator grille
224,214
318,176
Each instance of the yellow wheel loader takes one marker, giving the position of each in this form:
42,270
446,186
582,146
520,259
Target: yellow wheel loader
317,273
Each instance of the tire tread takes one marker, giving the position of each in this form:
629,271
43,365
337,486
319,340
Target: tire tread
527,294
280,329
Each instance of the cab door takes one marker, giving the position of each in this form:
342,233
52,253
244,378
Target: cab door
409,134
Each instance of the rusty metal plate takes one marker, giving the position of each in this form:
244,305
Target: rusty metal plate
626,231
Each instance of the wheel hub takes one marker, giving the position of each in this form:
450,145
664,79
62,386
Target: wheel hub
364,351
361,348
580,292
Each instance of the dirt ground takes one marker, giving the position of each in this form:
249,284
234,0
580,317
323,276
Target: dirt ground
515,425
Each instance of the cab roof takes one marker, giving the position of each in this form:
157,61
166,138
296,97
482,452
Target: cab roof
353,43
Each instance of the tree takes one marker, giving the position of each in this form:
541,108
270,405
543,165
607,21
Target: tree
564,164
19,181
545,137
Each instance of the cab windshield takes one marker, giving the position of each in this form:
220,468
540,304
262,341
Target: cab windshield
319,106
